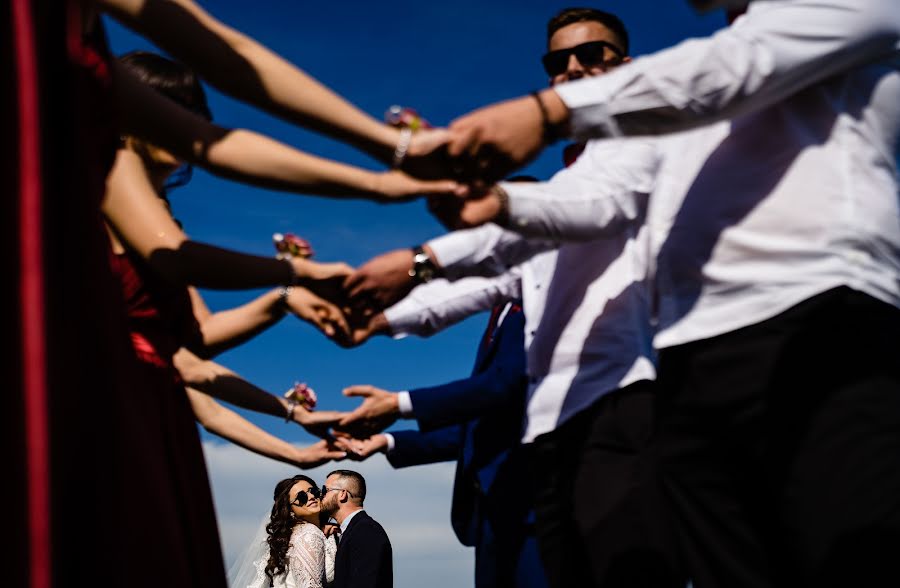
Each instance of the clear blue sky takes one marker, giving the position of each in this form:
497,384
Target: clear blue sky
442,59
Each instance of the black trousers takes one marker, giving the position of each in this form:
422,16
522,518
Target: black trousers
780,448
600,514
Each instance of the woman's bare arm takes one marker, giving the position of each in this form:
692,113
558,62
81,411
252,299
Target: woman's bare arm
250,157
226,423
243,68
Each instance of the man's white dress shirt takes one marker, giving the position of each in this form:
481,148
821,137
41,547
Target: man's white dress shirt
586,304
796,195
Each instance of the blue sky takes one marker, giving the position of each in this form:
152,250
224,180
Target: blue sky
443,59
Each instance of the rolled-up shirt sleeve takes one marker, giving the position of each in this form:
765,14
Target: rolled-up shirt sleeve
777,49
434,306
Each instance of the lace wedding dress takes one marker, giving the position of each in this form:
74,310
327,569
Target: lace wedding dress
306,561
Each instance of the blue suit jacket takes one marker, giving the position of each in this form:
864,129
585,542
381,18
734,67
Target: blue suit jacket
477,421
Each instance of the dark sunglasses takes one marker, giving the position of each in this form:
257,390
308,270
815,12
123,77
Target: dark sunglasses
303,496
326,490
590,54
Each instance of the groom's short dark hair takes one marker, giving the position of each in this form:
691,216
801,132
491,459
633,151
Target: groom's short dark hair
356,485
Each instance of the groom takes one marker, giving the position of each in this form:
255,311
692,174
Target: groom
364,556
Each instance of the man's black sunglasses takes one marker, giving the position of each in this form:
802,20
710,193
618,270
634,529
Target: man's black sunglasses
303,496
326,490
590,54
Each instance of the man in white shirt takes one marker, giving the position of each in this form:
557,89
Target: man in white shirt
776,239
600,514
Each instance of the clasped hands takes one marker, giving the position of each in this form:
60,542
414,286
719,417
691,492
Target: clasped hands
346,305
355,432
477,150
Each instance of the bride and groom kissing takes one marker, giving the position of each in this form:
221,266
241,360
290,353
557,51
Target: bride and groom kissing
296,553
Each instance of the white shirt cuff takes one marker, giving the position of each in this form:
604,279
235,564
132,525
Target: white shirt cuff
401,320
390,442
405,405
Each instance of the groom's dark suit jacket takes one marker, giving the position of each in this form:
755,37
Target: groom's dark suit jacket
364,556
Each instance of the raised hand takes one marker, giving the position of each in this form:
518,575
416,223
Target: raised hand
378,411
320,313
361,449
490,142
319,453
381,281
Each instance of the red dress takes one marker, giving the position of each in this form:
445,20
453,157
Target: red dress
102,468
160,321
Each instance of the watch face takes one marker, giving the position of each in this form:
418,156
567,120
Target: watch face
423,268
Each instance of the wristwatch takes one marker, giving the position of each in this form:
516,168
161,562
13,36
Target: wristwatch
424,268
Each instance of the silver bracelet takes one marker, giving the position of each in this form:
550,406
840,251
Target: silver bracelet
283,294
406,134
289,416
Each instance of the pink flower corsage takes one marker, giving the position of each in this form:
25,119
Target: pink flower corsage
405,117
290,245
302,395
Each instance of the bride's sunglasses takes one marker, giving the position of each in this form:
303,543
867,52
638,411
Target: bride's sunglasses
303,496
590,54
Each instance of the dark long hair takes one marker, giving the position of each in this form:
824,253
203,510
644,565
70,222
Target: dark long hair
176,82
281,525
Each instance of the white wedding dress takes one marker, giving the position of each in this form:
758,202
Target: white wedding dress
310,561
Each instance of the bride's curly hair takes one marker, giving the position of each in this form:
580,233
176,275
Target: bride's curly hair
281,525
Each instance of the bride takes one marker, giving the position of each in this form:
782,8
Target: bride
296,550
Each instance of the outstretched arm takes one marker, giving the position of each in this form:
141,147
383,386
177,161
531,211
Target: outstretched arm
776,50
607,188
385,281
243,68
437,305
142,221
498,387
226,423
449,404
217,380
250,157
226,329
405,448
